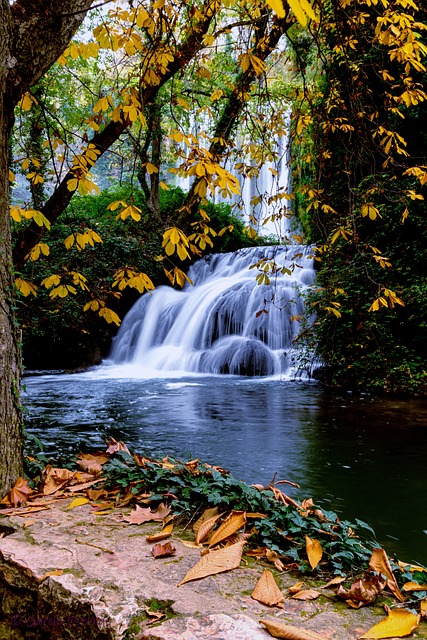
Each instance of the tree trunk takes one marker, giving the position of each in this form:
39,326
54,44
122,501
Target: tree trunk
10,410
33,33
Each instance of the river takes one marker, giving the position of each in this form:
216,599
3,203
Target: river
361,456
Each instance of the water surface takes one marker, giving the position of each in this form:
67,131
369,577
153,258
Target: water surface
361,456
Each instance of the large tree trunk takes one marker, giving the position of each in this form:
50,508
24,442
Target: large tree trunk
10,411
33,33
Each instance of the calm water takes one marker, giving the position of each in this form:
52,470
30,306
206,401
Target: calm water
361,456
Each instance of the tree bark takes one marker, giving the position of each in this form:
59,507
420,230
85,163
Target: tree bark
33,33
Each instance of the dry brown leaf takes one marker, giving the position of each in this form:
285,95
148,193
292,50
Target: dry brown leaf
289,632
423,608
306,594
114,445
191,545
163,550
161,535
53,479
140,515
55,572
205,529
28,523
399,623
90,466
295,587
154,616
103,506
215,562
414,586
22,511
18,494
95,494
84,486
255,515
334,581
273,556
267,592
235,521
259,552
363,591
192,466
314,551
379,562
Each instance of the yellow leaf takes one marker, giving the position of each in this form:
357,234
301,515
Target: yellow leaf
162,535
414,586
151,168
26,102
289,632
110,316
399,623
314,551
267,592
72,184
25,287
215,562
235,521
277,6
11,176
379,562
77,502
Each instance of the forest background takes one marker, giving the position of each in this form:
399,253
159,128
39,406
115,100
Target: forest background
147,90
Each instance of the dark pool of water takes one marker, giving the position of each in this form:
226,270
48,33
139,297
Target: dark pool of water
361,456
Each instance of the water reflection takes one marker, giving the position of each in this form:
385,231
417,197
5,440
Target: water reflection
361,456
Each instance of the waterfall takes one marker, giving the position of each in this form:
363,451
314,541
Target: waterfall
223,323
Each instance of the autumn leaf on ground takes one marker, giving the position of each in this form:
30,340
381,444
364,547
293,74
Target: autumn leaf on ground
163,550
95,494
314,551
92,463
363,591
267,592
162,535
18,494
333,582
295,587
235,521
273,557
114,445
77,502
206,515
399,623
289,632
54,479
140,515
379,562
306,594
414,586
215,562
205,528
423,608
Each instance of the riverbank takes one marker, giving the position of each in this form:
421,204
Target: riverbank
72,574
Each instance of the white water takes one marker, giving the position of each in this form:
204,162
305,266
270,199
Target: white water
211,326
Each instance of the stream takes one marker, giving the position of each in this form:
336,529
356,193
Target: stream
361,456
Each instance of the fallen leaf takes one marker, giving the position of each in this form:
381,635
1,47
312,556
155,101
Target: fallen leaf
289,632
399,623
235,521
191,545
379,562
154,615
95,494
414,586
162,535
314,551
336,580
163,550
86,485
28,523
295,587
54,479
140,515
77,502
215,562
192,465
90,466
273,556
18,494
55,572
206,515
423,608
306,594
411,567
363,591
205,529
114,445
267,592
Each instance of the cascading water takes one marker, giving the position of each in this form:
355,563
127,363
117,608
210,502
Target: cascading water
223,323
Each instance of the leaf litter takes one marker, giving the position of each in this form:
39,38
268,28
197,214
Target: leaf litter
114,479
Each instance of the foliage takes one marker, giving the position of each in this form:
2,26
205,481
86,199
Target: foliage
360,182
